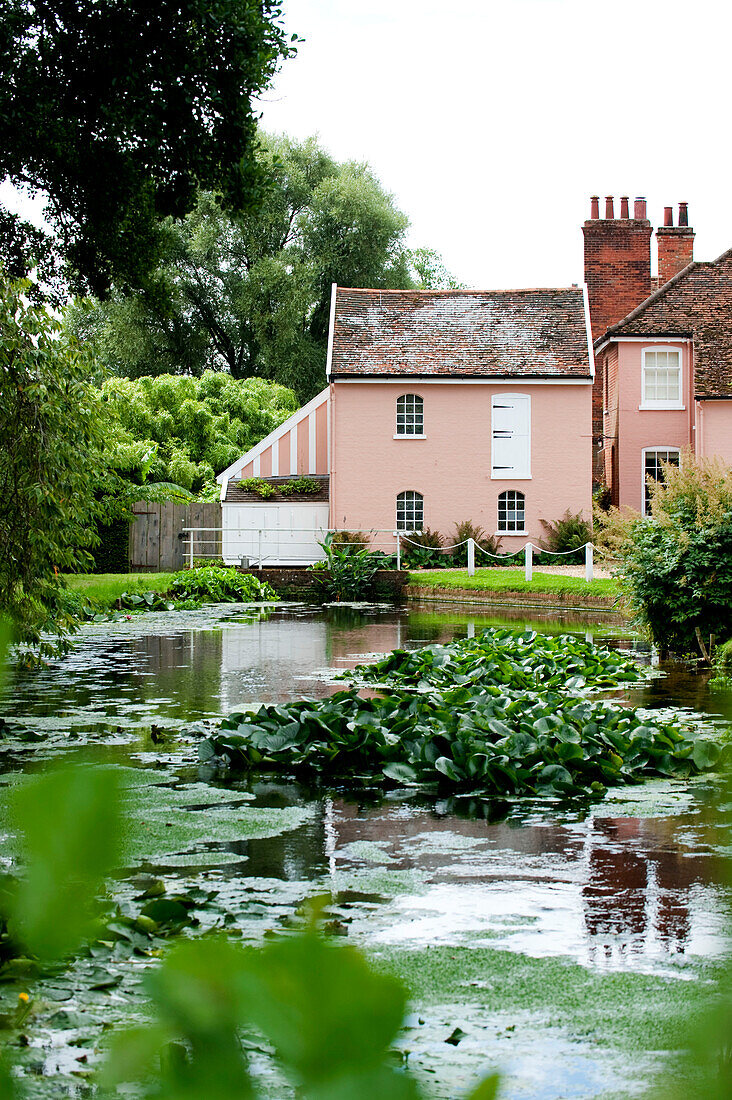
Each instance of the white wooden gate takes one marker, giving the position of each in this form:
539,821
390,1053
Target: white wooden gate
277,534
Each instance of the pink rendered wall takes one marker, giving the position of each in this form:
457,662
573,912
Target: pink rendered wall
319,417
303,449
451,467
321,439
638,428
284,455
714,429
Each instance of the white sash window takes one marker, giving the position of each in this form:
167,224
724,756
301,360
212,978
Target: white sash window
511,436
661,378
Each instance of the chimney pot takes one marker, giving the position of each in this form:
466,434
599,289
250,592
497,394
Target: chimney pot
639,209
609,210
683,213
668,215
595,207
624,211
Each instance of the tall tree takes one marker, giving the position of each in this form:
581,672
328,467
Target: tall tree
118,111
250,294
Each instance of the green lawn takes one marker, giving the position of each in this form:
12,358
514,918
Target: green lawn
106,587
512,580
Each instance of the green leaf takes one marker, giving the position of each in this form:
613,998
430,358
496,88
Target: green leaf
447,767
400,773
487,1089
68,854
705,754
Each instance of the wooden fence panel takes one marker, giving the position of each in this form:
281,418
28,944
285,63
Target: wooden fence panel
166,562
155,545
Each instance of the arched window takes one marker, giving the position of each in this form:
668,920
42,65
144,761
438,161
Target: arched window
511,512
410,415
410,511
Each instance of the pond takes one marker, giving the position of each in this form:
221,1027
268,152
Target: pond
549,936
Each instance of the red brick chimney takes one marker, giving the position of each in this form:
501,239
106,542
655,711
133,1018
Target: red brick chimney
617,272
617,262
675,243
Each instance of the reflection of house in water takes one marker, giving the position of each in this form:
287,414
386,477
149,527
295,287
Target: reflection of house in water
639,886
598,889
280,659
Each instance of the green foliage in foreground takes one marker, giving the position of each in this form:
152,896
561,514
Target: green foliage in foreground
329,1017
512,580
497,715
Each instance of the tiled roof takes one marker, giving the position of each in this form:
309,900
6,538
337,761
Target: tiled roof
697,302
235,495
460,333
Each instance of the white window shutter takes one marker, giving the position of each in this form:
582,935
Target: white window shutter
511,436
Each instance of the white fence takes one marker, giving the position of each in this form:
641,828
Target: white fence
255,541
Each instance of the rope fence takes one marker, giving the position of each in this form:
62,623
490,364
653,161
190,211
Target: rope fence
258,555
527,550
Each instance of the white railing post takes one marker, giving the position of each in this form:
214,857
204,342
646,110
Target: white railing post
190,551
528,561
399,551
259,548
471,558
589,561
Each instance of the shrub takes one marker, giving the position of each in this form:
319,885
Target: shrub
219,584
469,530
359,540
569,532
676,564
257,485
423,550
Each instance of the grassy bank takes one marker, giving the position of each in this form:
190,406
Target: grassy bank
512,580
108,587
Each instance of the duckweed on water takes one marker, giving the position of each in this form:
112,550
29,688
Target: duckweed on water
501,714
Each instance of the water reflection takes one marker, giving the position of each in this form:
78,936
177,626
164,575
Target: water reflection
608,887
612,891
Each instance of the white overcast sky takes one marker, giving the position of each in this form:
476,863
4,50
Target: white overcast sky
493,121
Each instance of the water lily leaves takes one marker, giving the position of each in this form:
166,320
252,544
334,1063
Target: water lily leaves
400,773
447,767
554,775
705,754
478,715
170,911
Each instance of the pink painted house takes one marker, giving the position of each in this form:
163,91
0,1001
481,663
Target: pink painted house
442,406
665,369
445,406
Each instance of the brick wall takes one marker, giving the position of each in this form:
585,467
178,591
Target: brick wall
675,250
618,277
